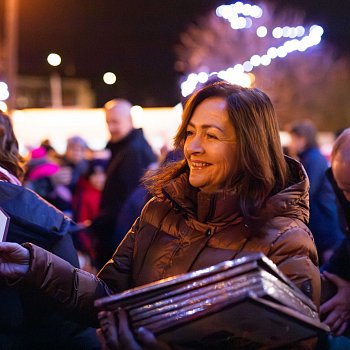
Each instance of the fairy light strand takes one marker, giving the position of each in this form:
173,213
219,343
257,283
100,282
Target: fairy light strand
241,17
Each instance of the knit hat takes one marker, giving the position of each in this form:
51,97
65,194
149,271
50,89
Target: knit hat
39,166
77,140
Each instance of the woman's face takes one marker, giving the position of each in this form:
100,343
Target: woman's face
210,146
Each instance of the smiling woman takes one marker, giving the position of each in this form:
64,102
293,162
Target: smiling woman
246,127
210,146
233,194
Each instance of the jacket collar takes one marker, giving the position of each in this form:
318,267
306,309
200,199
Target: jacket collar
116,146
222,208
212,208
8,177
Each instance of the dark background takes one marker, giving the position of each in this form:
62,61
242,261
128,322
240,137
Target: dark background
135,40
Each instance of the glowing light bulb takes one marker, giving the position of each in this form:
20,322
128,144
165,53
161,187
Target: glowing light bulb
54,59
261,31
109,78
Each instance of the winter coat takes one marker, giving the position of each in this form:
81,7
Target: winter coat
187,231
324,222
192,230
28,318
130,210
339,262
86,201
130,158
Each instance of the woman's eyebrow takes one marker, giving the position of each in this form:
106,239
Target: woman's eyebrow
207,126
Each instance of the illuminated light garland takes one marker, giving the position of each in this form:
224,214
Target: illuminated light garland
240,73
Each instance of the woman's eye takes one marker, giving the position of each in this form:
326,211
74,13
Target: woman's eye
189,133
211,136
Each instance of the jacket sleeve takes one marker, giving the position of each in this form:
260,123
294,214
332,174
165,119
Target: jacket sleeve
71,287
294,253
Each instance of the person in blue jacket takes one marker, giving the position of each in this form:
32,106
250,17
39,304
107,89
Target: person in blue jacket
336,310
29,319
324,219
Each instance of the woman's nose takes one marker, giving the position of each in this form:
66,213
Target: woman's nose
195,144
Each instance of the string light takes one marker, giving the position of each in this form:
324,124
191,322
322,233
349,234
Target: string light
240,17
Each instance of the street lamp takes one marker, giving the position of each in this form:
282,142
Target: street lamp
55,81
109,78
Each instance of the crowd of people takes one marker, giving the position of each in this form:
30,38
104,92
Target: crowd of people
83,227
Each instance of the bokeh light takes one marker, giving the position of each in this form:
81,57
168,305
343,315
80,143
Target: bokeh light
109,78
54,59
4,92
3,106
136,111
240,17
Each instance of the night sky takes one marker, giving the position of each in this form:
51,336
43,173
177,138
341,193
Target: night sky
134,39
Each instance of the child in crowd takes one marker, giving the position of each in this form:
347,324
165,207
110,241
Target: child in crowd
86,202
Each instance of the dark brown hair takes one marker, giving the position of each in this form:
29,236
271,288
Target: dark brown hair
10,158
261,167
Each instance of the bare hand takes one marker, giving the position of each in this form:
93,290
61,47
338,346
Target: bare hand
120,337
337,309
14,260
